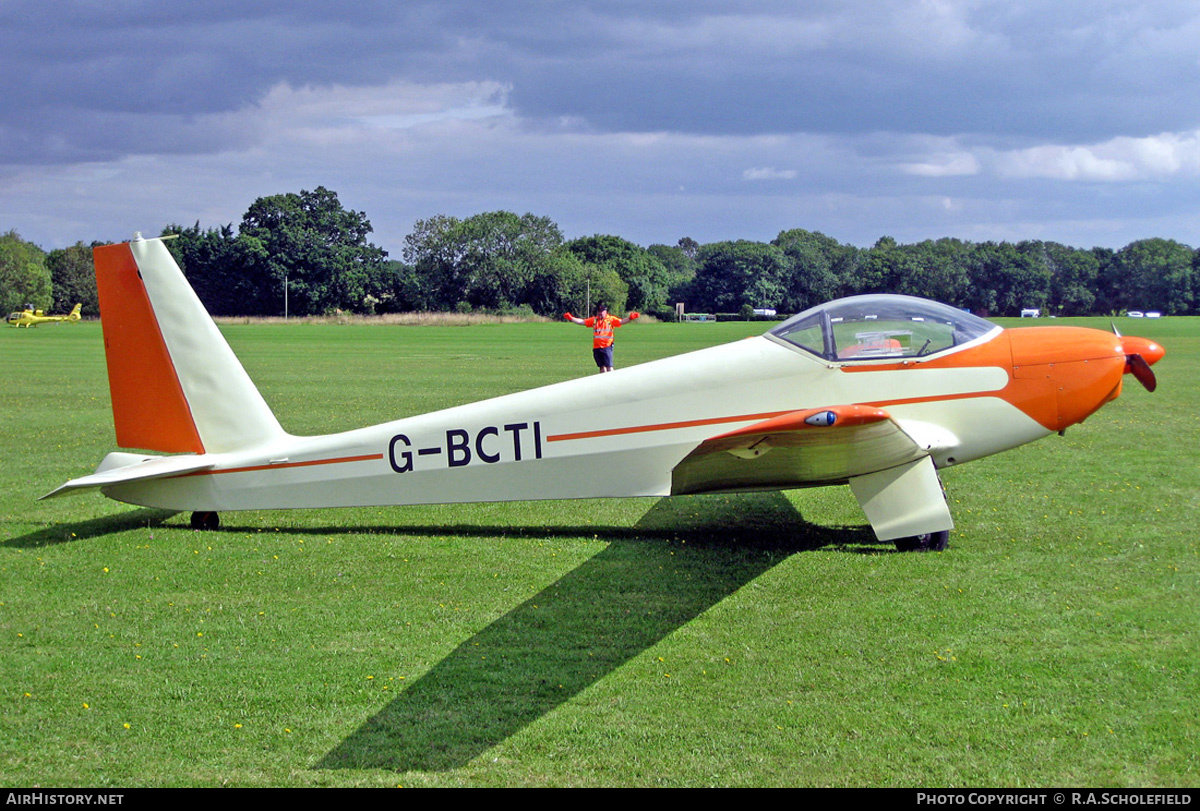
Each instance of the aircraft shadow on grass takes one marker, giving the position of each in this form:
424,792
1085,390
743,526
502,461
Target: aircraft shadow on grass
591,621
93,528
570,635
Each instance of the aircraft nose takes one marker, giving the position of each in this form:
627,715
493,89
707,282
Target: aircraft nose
1076,370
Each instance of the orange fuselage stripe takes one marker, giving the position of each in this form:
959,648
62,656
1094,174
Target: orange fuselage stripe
663,426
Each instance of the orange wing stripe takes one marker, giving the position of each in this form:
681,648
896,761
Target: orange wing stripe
847,415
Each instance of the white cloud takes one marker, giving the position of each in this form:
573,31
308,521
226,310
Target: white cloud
1119,159
396,105
1123,159
770,173
944,164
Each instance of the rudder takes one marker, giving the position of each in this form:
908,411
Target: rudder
176,385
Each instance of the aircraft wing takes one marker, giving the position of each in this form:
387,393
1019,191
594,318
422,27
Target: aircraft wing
811,447
890,472
118,468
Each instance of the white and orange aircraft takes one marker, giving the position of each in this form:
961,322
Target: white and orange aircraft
879,392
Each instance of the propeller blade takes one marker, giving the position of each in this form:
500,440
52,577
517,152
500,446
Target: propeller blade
1140,369
1140,355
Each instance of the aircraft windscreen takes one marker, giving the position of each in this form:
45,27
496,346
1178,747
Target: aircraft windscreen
881,326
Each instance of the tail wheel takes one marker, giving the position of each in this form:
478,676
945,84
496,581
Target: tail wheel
205,520
928,542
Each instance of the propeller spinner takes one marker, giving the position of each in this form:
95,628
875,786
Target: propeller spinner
1140,355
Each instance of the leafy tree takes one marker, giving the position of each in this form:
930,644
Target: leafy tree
680,262
817,266
882,268
1195,280
689,246
73,277
1107,295
561,283
1004,280
939,271
504,254
318,247
1154,274
646,277
230,273
1073,276
395,287
434,251
597,284
735,273
495,260
24,277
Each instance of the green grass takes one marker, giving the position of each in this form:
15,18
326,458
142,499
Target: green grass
762,639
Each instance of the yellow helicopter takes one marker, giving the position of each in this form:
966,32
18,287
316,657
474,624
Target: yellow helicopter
30,317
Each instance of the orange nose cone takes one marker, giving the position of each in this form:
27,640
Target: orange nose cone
1150,351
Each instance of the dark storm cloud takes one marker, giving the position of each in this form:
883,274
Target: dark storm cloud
910,117
1065,71
121,77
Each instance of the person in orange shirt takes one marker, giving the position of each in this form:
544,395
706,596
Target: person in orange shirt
602,325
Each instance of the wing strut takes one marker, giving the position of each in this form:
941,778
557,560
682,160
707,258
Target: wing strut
903,501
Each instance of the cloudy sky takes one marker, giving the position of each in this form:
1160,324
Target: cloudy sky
1076,121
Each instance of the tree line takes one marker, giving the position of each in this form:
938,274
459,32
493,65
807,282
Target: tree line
307,255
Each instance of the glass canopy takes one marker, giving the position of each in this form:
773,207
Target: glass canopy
881,326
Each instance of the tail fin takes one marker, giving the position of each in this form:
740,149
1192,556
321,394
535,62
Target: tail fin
74,315
176,385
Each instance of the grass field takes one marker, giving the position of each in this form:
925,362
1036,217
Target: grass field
762,639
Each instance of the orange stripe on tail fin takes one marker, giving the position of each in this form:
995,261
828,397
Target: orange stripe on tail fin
149,407
167,349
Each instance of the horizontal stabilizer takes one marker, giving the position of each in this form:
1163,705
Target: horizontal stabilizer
118,468
804,448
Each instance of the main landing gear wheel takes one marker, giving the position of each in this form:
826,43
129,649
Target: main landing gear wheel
205,520
929,542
